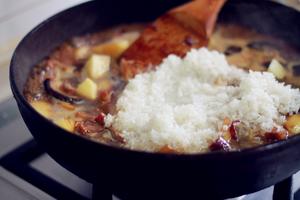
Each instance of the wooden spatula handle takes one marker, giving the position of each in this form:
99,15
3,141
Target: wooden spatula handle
199,15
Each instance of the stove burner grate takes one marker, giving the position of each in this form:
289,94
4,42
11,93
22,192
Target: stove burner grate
18,162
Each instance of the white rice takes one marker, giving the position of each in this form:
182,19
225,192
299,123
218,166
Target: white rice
184,102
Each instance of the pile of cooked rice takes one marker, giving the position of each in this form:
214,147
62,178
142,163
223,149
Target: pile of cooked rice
183,103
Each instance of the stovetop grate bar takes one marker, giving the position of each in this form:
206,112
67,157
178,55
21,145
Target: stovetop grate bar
18,162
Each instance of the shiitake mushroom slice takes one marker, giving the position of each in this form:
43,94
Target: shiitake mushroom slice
60,96
296,70
233,49
262,45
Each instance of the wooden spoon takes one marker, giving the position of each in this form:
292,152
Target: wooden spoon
176,32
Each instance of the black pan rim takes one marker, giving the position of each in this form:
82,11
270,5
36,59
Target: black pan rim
261,149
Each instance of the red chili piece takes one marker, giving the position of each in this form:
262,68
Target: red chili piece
100,119
105,96
232,129
87,127
274,135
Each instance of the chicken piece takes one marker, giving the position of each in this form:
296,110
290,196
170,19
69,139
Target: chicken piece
176,32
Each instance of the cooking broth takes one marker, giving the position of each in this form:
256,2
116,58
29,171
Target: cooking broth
53,88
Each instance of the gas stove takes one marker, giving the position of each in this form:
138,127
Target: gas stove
27,172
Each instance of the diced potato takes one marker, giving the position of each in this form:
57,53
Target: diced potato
97,66
87,89
67,124
277,69
114,48
292,124
43,107
82,53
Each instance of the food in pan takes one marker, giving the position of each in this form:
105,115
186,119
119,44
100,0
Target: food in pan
199,103
196,102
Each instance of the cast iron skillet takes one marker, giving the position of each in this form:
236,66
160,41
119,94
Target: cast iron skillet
133,174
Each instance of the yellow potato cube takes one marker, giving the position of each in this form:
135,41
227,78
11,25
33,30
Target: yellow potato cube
87,89
97,66
277,69
292,124
82,53
42,107
67,124
114,48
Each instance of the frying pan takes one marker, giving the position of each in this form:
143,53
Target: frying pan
140,175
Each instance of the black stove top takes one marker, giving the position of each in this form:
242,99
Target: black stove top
26,171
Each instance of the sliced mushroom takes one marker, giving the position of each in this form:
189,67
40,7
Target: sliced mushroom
261,45
296,70
232,50
60,96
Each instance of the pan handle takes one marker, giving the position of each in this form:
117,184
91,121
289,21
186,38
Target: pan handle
284,190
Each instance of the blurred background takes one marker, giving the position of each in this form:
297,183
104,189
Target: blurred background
17,17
